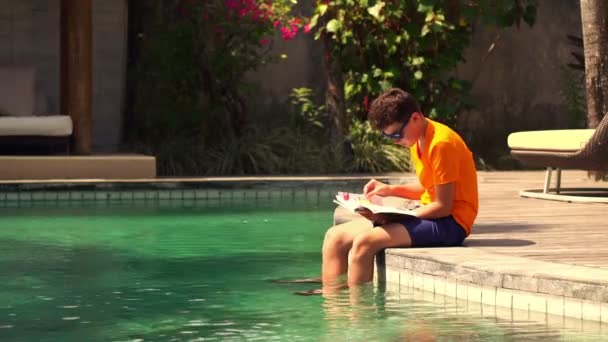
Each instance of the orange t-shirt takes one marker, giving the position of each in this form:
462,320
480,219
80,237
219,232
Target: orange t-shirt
446,159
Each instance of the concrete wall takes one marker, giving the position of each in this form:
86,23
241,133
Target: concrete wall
303,67
30,36
109,71
520,84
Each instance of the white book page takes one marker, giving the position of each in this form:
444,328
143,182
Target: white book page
352,201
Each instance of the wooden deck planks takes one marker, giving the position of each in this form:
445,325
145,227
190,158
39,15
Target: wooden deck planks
571,233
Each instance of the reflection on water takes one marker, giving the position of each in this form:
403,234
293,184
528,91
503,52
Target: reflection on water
373,313
158,273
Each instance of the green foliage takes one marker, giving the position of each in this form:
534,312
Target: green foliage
190,100
374,153
371,151
270,150
190,87
306,128
170,118
178,156
573,86
573,92
257,151
413,45
167,93
502,13
306,109
293,144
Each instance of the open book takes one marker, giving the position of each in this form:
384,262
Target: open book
359,202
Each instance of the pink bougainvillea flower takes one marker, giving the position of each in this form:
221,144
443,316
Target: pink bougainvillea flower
286,33
258,14
289,33
307,28
232,4
264,41
263,11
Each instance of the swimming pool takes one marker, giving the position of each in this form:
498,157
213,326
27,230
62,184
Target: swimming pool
199,270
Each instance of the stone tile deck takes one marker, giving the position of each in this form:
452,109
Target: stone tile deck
525,254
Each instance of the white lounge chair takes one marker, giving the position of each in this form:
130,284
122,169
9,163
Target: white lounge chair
25,126
580,149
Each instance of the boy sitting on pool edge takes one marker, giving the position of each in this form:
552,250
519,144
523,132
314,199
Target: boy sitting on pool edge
446,188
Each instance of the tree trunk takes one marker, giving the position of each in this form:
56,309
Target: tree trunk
76,70
334,99
595,39
453,11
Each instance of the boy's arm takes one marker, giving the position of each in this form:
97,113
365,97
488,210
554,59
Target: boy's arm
445,165
409,191
442,206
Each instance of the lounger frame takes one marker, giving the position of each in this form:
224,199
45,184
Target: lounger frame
593,156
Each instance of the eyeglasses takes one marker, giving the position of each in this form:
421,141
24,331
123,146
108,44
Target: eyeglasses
397,135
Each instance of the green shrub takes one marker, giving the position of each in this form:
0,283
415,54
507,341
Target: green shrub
374,153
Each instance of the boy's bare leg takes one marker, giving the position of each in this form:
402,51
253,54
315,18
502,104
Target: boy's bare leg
366,245
336,245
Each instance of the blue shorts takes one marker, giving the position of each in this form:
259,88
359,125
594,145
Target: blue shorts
442,232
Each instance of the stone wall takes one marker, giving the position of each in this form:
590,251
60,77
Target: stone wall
30,36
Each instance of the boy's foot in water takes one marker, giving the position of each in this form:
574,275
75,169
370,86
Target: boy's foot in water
313,292
315,280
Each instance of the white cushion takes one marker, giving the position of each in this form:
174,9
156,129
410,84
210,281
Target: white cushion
52,126
566,140
17,90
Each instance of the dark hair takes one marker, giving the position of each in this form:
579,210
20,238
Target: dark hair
394,105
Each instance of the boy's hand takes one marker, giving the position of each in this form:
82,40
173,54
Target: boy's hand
376,188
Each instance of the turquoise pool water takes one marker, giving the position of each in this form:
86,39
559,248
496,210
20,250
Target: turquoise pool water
200,271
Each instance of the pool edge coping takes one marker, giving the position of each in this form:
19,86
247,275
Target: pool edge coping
515,283
211,179
512,282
